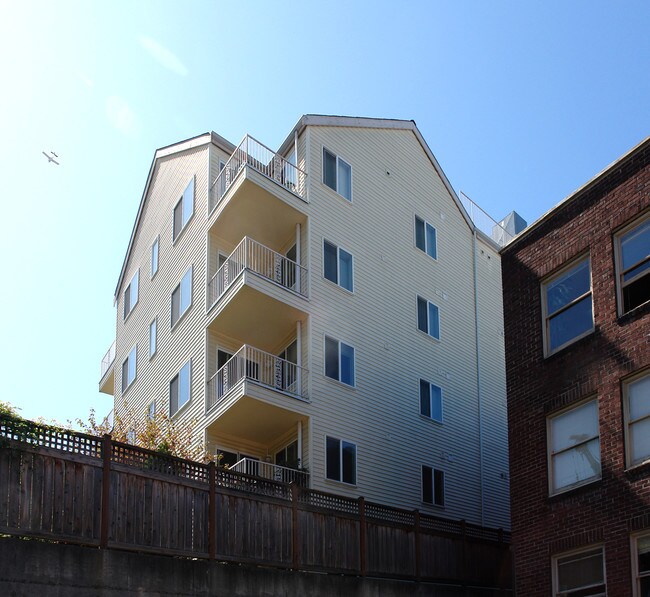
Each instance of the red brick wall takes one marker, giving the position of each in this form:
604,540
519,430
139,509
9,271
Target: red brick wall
608,510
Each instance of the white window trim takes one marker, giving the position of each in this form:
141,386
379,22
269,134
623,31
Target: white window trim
132,305
338,264
549,449
186,225
173,324
354,362
618,260
442,402
433,486
135,375
156,243
545,316
626,414
356,461
154,322
417,327
415,232
559,556
338,158
635,560
189,398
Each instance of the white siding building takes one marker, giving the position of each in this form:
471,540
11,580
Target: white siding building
328,307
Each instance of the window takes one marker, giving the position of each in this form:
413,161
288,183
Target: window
337,174
227,459
129,368
580,573
567,306
153,333
179,389
574,447
154,256
425,237
131,294
151,411
428,318
641,565
337,265
183,210
339,361
633,266
341,460
637,414
430,401
433,486
182,297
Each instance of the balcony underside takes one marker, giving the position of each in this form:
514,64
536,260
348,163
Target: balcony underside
257,311
256,414
107,382
258,207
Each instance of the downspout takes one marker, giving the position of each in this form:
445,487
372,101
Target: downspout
478,384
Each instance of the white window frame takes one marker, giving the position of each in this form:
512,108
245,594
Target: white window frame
338,265
637,378
339,160
179,288
433,470
634,551
428,322
546,318
356,462
180,406
572,554
132,289
354,361
618,255
430,417
155,254
426,243
132,353
153,346
551,455
185,220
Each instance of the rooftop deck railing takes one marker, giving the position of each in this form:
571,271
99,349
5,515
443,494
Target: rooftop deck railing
250,152
258,366
108,359
249,254
485,223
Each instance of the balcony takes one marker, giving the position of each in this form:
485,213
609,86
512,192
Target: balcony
107,376
275,472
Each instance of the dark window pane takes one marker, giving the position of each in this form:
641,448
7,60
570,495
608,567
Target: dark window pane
127,301
330,262
427,485
422,315
425,399
176,304
419,234
636,293
331,358
349,463
173,395
227,458
333,456
570,323
580,570
125,374
439,488
329,169
178,219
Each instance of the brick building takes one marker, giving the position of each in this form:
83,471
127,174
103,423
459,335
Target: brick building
577,327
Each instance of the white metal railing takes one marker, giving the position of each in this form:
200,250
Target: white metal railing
261,367
485,223
108,359
251,152
254,256
267,470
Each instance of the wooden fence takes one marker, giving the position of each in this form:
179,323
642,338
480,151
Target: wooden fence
77,488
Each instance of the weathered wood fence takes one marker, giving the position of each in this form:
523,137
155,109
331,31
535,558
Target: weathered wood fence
77,488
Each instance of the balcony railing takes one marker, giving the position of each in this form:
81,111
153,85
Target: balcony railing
260,367
485,223
251,255
284,474
251,152
108,359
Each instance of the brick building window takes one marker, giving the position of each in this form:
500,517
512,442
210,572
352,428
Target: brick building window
636,393
567,306
641,564
574,447
632,249
580,573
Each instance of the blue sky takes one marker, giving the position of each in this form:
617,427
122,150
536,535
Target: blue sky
521,102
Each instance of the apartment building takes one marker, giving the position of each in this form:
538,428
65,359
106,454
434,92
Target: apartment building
577,316
327,313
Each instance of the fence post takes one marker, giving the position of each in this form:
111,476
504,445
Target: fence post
294,525
107,449
212,511
362,536
418,550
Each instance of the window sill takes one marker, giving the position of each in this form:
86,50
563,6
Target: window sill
436,507
432,420
336,193
178,321
638,470
340,383
336,285
634,314
183,229
126,318
336,483
421,252
427,335
180,410
125,390
575,489
573,342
